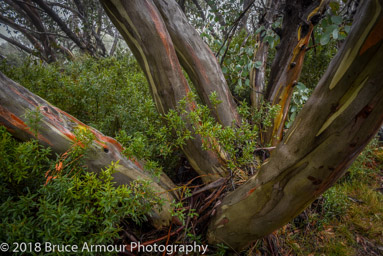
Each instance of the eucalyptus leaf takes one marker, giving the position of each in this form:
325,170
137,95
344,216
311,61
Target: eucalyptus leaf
258,64
335,34
336,19
325,38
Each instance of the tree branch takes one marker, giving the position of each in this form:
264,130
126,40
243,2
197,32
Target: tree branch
343,114
60,23
19,45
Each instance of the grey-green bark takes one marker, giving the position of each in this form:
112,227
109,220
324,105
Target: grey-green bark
343,114
258,75
56,130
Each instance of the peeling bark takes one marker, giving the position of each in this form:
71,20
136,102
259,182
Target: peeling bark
56,130
340,118
261,52
288,62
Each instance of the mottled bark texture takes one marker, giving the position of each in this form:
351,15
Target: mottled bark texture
261,52
340,118
199,62
299,20
144,29
56,130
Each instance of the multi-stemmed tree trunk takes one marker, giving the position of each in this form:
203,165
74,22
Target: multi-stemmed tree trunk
342,115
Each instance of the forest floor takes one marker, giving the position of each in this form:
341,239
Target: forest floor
346,220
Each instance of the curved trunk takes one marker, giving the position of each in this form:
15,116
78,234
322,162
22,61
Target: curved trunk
199,62
141,24
56,130
342,115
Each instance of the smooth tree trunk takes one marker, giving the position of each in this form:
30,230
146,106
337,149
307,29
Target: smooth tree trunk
340,118
199,62
56,130
142,26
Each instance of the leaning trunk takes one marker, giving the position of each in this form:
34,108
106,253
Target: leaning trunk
340,118
56,130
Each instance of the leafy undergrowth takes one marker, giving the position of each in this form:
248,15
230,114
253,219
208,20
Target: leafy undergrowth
346,220
46,198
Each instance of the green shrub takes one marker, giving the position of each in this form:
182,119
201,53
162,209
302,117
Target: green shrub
58,201
109,94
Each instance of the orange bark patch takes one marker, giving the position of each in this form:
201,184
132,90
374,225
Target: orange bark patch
70,117
56,121
14,120
18,123
102,140
251,191
136,163
167,43
375,36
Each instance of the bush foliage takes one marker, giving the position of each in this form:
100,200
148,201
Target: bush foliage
54,199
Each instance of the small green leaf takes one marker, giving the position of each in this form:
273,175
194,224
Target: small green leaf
347,29
258,64
301,86
325,38
336,19
335,34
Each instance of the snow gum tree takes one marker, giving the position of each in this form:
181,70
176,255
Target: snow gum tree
340,118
